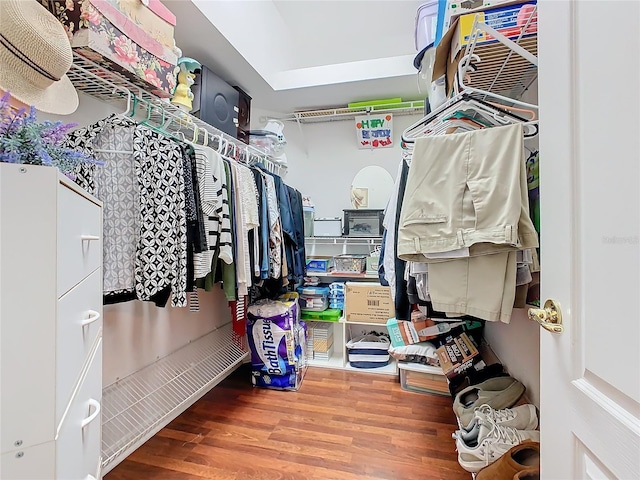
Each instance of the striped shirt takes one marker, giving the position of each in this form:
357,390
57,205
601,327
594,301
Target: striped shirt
214,198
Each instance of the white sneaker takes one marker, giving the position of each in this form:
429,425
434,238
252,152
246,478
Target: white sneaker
487,442
523,417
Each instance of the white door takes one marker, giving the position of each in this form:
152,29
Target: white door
589,83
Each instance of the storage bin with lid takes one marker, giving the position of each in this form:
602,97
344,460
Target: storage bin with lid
426,24
309,216
327,227
314,298
328,315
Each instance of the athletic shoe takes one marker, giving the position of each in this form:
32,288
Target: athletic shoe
522,417
497,392
487,442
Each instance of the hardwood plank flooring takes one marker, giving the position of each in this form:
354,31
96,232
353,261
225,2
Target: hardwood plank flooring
338,426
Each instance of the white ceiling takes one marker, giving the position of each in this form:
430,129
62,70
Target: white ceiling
293,55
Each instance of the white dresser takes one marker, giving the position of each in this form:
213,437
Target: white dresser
50,326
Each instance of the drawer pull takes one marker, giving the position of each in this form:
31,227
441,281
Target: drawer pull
89,237
95,404
93,316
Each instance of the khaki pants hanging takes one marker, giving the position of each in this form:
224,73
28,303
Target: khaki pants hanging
482,286
464,190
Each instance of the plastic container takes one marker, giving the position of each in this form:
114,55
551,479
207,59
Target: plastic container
328,315
319,265
309,216
265,141
315,299
423,379
426,24
327,227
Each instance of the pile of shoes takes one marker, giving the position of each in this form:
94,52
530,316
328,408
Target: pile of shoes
495,441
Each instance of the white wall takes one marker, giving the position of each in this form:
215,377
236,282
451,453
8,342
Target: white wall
138,333
517,345
324,158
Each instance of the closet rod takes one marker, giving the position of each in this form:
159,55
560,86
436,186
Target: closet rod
112,88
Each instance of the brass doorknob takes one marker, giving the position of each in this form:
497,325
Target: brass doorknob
549,317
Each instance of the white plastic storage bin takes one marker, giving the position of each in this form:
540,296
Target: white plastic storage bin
327,227
426,24
418,378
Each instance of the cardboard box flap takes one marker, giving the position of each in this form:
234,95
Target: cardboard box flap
442,52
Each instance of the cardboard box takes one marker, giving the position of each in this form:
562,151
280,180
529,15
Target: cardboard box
368,302
94,37
402,332
457,355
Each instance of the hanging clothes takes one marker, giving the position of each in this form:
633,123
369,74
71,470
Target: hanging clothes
246,214
262,272
473,205
275,228
116,184
215,208
229,276
142,187
297,214
161,255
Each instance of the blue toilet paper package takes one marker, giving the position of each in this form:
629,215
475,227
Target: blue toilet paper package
277,340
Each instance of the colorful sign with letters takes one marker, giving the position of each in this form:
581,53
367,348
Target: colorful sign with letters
374,131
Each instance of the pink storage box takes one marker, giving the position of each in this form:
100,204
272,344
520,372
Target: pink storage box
154,21
152,67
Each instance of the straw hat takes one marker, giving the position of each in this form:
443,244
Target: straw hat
35,55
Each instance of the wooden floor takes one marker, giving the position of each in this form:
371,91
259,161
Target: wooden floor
338,426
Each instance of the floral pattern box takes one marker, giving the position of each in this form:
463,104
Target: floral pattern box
96,38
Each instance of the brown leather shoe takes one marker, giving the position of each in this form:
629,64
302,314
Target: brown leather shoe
533,474
524,457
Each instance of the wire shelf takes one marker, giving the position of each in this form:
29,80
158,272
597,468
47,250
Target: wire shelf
503,72
136,407
504,66
112,88
339,114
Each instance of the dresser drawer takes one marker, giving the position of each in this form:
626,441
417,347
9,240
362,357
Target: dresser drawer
79,238
78,442
79,322
31,463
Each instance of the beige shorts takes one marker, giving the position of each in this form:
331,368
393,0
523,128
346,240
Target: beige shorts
466,189
483,286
